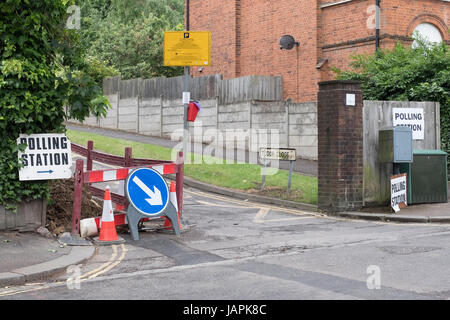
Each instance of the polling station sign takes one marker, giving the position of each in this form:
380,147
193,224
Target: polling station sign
46,157
410,117
398,192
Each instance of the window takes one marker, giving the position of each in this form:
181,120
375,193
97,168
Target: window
428,32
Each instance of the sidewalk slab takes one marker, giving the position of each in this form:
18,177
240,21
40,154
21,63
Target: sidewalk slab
44,270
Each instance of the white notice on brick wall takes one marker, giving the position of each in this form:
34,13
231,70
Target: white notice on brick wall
350,99
410,117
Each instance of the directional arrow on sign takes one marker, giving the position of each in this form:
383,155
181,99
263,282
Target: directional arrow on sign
155,196
48,171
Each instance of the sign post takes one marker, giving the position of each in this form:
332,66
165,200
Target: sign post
148,195
187,48
47,156
285,154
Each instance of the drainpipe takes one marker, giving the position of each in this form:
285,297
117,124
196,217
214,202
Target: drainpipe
377,34
187,15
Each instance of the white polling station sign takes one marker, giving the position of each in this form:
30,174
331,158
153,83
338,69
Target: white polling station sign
47,156
410,117
398,192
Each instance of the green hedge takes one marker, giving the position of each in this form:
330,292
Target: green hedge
418,74
41,70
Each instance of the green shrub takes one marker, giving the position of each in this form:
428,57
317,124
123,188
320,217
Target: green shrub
413,74
42,69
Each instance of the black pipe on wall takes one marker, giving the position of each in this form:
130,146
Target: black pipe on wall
377,27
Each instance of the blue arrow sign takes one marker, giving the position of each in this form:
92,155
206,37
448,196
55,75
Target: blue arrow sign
48,171
147,191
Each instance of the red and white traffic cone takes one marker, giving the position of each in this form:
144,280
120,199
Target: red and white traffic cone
108,233
173,199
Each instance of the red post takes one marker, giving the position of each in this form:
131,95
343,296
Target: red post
90,147
179,182
128,157
77,195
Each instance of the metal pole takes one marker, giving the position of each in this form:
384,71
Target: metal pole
264,175
186,89
377,23
291,168
186,105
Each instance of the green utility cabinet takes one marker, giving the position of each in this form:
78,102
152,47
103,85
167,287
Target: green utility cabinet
426,177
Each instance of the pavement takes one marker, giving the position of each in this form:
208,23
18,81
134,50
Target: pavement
28,257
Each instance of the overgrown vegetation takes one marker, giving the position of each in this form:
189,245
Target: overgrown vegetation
127,35
42,69
413,74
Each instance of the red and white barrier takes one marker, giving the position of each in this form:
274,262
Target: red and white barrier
122,173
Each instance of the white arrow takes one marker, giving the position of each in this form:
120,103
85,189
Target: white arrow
155,197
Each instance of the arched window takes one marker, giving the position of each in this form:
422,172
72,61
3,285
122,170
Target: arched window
428,32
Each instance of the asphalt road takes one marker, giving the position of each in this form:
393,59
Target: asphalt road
235,249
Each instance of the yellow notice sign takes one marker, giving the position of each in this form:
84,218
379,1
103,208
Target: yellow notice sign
187,48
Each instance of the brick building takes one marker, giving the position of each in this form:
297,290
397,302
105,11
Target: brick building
246,35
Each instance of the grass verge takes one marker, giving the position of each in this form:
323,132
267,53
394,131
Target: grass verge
244,177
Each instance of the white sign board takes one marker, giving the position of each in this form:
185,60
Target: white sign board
398,192
277,154
186,97
410,117
350,99
47,156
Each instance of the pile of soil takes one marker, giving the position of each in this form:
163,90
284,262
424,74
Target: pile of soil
60,207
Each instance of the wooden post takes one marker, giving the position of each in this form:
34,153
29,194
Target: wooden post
128,157
90,147
77,197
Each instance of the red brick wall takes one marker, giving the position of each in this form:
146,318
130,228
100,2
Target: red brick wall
346,23
254,46
246,35
219,17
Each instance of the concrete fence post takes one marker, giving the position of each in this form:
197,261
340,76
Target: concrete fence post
138,102
286,103
118,103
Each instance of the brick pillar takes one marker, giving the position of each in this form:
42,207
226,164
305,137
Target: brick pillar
340,154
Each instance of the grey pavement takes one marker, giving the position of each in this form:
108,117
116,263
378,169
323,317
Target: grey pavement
26,257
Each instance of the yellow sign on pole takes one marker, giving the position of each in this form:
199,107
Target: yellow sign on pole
187,48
